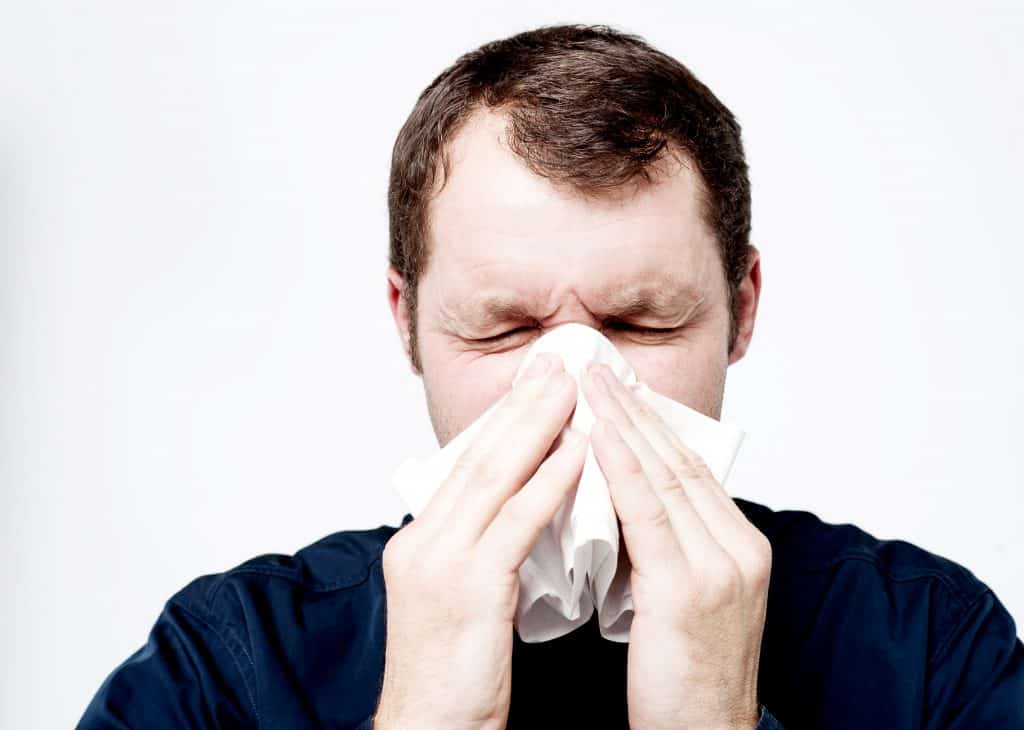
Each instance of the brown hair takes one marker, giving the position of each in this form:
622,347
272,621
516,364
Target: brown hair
588,106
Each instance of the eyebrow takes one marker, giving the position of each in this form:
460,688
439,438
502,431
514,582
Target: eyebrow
661,300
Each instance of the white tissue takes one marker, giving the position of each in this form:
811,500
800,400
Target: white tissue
576,564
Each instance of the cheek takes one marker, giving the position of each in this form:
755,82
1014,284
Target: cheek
467,384
685,373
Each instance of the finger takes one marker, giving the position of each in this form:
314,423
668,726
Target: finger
514,531
728,524
647,527
510,407
665,440
694,536
718,511
507,452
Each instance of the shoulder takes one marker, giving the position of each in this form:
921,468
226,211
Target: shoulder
882,626
233,646
338,564
804,544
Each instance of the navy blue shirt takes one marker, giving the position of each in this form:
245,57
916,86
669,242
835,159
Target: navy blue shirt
859,633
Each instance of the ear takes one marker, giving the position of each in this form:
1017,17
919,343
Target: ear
400,312
747,296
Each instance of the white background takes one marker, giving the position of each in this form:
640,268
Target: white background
198,361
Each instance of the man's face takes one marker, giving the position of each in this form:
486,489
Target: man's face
499,232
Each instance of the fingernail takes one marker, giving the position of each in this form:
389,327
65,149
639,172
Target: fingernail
555,384
541,365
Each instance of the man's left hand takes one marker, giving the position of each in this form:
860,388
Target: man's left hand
700,571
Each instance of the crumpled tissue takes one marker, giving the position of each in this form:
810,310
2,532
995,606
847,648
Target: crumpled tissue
576,566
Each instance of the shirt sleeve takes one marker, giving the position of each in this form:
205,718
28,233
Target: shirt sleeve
977,673
765,722
188,674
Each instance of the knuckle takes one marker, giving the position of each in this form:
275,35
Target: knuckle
658,519
469,468
465,464
685,467
669,482
517,510
484,474
632,467
760,561
690,464
396,554
762,544
722,583
643,410
646,413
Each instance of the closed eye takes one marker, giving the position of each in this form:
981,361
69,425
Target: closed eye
653,331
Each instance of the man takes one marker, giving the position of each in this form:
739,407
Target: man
574,174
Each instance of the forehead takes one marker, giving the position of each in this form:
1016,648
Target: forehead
499,232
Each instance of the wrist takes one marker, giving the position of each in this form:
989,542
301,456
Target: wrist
389,718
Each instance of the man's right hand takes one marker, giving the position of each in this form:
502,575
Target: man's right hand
452,574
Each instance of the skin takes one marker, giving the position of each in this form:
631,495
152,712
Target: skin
700,569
